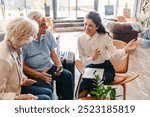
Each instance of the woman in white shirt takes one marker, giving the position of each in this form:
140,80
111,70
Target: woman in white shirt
96,47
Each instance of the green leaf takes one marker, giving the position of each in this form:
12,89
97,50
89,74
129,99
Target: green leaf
101,91
93,92
113,94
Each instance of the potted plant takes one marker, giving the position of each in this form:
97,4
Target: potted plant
101,92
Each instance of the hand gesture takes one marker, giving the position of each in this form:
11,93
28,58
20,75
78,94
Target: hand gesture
47,78
131,46
26,97
26,82
59,70
96,54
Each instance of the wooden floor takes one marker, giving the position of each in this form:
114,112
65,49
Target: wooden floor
138,89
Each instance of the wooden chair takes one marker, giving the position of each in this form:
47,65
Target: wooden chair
120,67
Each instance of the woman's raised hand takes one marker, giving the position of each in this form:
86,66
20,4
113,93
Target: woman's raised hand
131,46
96,54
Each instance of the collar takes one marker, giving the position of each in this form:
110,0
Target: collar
89,37
41,38
12,49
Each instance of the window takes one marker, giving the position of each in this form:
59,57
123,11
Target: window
14,8
83,7
119,7
107,7
125,6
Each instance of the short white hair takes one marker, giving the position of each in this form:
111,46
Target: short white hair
35,14
20,29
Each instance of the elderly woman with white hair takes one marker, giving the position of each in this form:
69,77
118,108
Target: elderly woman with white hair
19,32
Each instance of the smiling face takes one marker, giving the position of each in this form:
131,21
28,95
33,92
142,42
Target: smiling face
42,26
90,27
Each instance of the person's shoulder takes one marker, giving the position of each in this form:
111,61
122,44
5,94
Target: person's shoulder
3,48
5,55
48,33
27,47
105,34
105,37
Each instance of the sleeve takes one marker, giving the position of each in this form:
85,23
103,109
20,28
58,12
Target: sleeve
4,71
51,41
23,53
85,60
113,51
147,33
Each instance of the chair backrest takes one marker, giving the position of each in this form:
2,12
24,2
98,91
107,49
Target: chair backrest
121,66
79,66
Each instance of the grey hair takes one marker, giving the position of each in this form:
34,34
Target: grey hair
20,29
35,14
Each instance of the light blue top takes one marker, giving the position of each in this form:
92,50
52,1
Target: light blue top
37,54
145,40
147,33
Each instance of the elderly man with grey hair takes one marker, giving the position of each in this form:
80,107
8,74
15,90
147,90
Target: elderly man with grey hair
20,31
41,61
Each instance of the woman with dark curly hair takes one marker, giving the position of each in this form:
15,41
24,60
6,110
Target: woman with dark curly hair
95,48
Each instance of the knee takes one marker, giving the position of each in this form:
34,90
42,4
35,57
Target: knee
67,75
109,79
47,92
44,97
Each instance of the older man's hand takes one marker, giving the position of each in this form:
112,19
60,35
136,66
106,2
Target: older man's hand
47,78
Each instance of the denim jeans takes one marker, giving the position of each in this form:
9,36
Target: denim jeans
64,84
41,92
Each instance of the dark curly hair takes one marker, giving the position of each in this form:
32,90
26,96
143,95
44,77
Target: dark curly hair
95,17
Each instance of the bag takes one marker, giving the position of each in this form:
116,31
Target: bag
68,62
67,59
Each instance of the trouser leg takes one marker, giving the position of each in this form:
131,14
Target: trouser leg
108,76
64,84
41,92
